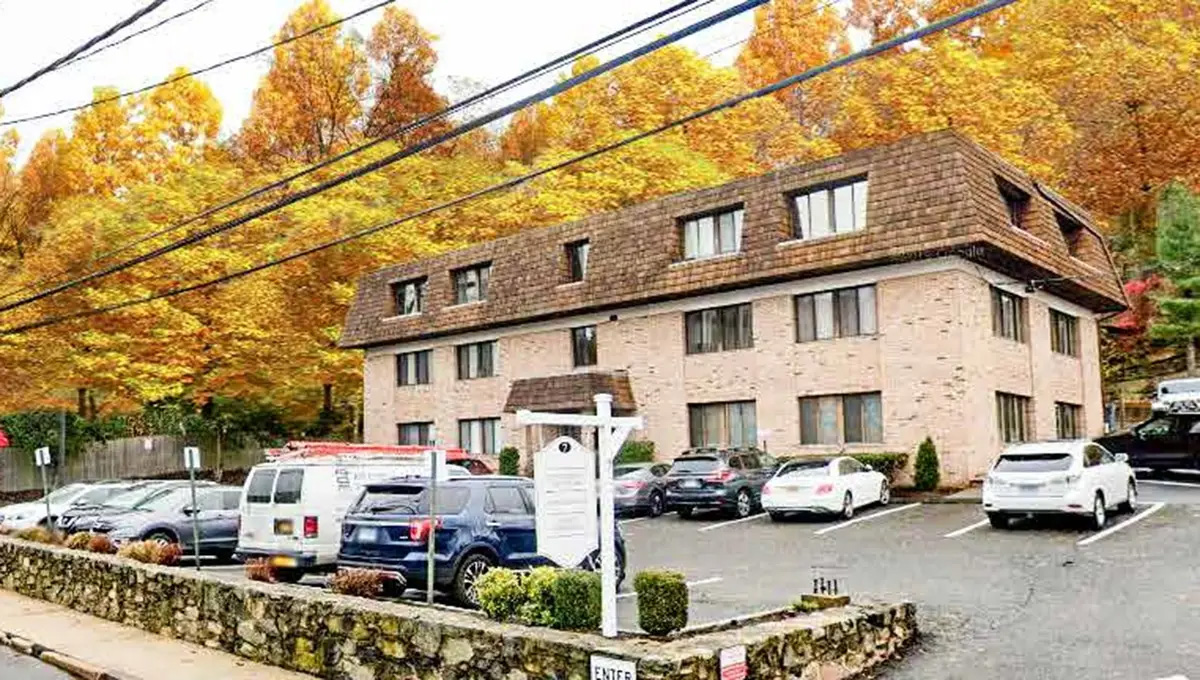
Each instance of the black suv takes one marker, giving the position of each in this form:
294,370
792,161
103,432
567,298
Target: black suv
730,480
1166,441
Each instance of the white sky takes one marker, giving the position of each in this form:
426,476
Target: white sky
486,41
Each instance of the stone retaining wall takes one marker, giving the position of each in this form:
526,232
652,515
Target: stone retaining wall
339,637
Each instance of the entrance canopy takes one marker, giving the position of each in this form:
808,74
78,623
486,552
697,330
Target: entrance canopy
572,392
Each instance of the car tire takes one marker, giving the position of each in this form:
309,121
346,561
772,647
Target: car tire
223,556
885,493
685,512
998,520
743,504
775,516
161,537
592,563
472,567
1130,504
847,506
287,574
656,504
1099,516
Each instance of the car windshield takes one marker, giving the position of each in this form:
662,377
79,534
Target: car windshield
96,495
695,465
805,468
130,498
165,499
1033,462
410,499
64,493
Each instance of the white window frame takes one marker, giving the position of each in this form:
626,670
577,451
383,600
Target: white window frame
713,234
839,208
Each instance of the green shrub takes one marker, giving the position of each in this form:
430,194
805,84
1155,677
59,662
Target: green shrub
576,596
510,461
538,608
662,601
636,452
926,475
890,464
500,594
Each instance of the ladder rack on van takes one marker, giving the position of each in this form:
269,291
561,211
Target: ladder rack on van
299,450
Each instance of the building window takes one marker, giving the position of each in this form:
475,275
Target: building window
577,259
583,345
712,234
1064,333
1072,233
722,425
1016,202
835,314
1008,315
1067,420
476,360
838,209
1012,414
412,368
471,283
842,419
479,435
719,329
414,434
409,297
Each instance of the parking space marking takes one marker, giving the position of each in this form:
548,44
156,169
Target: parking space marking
718,525
863,518
1117,527
635,520
959,532
1159,482
690,585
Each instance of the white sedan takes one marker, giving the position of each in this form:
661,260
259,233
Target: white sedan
1074,477
827,485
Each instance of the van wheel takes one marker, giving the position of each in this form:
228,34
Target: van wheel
288,575
472,567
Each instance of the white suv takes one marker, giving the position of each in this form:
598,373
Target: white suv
1075,477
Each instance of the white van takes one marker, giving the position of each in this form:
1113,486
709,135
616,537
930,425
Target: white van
292,508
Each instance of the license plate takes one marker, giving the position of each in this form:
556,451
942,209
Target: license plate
367,535
690,484
283,561
284,527
1029,487
789,488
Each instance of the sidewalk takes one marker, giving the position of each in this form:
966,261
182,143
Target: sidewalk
128,652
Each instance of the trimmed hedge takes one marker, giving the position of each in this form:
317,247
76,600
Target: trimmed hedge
576,596
890,464
926,476
662,601
510,461
538,609
500,593
636,452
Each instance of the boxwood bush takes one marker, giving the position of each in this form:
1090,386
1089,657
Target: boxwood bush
500,593
576,600
538,609
926,475
890,464
510,461
662,601
636,452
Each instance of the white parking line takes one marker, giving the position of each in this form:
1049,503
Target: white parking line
960,532
1159,482
625,522
1117,527
718,525
690,585
856,520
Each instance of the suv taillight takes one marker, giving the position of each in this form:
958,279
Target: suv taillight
418,529
312,527
722,475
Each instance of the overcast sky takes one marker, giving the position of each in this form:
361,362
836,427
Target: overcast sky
481,40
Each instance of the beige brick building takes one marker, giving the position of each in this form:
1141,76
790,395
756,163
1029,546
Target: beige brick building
859,303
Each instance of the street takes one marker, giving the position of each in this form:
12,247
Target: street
17,666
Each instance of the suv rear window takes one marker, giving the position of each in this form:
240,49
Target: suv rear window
287,487
259,490
693,465
411,499
1034,462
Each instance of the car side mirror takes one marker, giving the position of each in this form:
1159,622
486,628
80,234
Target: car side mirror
868,468
1122,457
189,511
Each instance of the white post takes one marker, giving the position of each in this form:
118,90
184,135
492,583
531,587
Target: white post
608,540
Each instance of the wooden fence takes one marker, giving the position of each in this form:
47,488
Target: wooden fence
130,457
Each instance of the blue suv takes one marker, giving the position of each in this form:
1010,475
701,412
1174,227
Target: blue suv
482,522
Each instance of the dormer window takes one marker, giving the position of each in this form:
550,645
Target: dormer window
409,297
471,283
833,209
1072,233
715,233
577,260
1016,202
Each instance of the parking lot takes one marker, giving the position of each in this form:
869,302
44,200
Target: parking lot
1121,603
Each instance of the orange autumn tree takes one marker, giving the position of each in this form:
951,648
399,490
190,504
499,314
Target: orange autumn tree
403,94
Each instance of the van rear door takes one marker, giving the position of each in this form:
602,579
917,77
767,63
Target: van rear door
287,519
257,512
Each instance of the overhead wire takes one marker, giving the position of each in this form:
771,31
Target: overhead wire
767,90
92,42
670,13
389,159
108,46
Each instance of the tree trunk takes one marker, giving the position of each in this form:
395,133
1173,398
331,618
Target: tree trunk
1191,357
81,393
327,403
219,472
91,405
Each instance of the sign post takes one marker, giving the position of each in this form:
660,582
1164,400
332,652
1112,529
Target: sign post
191,461
42,458
612,434
437,464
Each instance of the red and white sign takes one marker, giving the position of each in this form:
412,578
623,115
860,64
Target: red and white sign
733,663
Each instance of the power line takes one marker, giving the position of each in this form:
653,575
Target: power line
917,34
190,74
372,166
135,34
625,33
61,61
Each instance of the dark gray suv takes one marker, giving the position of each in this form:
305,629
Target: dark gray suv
730,480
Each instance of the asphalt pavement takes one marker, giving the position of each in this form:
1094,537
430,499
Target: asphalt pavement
17,666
